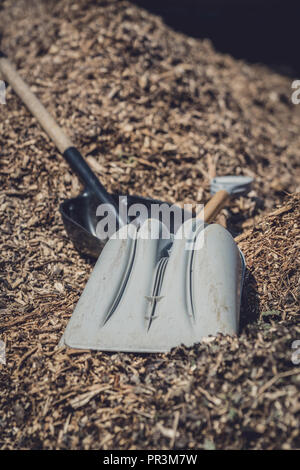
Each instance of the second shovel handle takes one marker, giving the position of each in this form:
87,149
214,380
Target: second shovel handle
214,206
10,74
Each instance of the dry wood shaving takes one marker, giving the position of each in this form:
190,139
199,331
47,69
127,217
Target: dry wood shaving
157,114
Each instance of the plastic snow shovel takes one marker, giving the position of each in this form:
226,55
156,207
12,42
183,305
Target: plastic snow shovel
150,293
79,214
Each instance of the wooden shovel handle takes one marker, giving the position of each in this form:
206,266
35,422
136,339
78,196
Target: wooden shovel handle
214,206
62,142
10,74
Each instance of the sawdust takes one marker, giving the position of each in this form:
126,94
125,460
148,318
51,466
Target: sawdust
158,114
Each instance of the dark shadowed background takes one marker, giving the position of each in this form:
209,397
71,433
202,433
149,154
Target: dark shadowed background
265,31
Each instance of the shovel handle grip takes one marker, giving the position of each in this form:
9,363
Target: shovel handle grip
10,74
214,206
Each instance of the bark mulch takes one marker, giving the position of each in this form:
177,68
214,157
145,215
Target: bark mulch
156,113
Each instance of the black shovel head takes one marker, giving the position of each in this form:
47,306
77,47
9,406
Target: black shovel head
80,219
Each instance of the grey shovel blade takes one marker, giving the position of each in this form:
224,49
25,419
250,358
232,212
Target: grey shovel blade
138,300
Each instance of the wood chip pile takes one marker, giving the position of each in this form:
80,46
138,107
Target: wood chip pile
157,114
273,261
